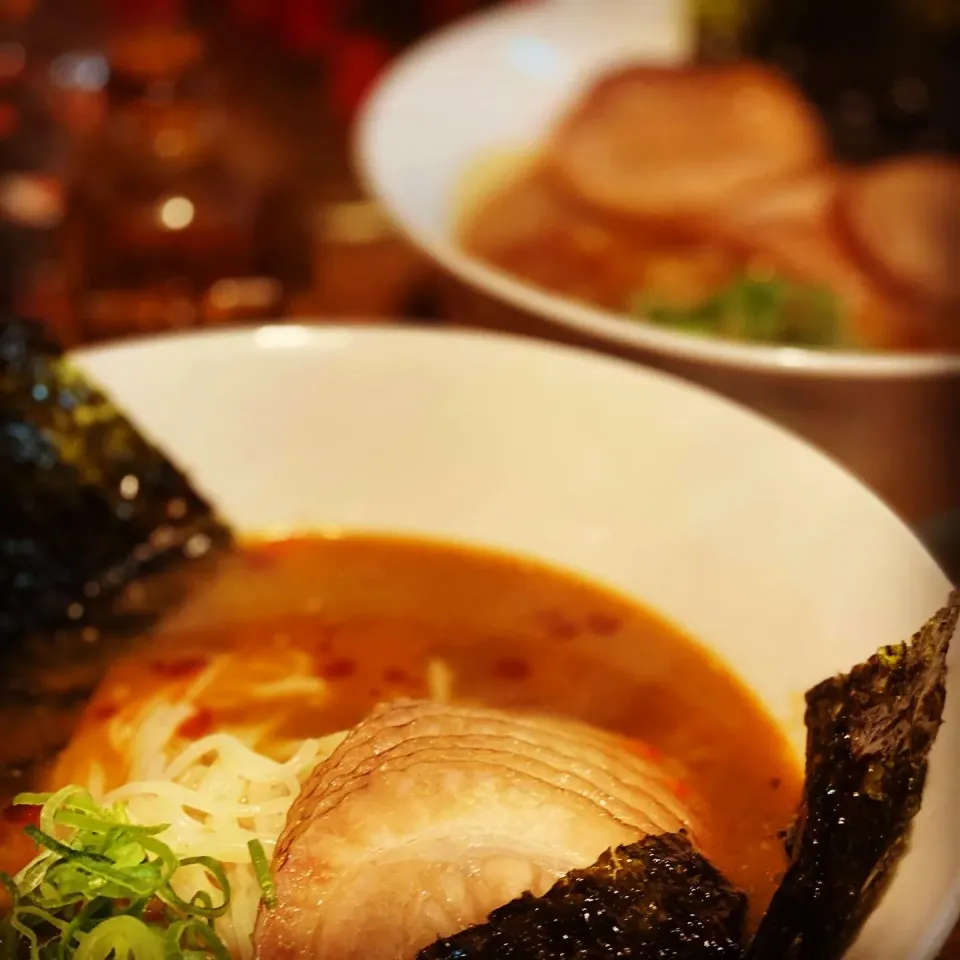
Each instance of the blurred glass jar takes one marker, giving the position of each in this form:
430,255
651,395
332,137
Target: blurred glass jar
53,77
68,42
52,61
164,225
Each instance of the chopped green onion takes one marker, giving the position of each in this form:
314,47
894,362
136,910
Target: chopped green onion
770,310
84,821
199,935
122,938
215,869
31,799
32,940
261,867
86,895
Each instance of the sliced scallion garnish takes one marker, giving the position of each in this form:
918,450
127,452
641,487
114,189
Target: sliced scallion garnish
261,867
100,888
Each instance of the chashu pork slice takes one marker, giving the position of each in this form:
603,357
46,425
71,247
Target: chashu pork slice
679,144
904,215
796,228
429,816
791,227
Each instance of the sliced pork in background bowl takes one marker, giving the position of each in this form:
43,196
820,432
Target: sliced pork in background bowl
575,179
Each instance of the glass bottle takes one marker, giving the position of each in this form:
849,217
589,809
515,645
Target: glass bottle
165,215
52,78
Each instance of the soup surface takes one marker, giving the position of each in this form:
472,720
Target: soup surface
302,638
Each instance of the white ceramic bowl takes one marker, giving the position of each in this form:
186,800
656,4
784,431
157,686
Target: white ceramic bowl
500,79
749,539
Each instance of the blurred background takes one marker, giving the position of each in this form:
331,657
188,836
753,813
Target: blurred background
175,164
180,163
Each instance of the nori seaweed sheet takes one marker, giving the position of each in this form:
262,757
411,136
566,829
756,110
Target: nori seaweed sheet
869,735
96,528
657,898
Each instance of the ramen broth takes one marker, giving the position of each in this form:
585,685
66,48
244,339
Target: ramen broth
302,638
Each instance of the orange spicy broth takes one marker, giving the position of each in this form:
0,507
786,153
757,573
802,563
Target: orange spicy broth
377,618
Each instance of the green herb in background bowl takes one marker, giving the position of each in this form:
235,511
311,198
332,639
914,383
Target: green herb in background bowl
769,310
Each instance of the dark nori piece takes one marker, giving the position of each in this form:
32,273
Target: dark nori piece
657,898
95,527
869,734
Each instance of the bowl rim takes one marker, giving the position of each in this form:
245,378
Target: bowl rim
311,332
606,326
